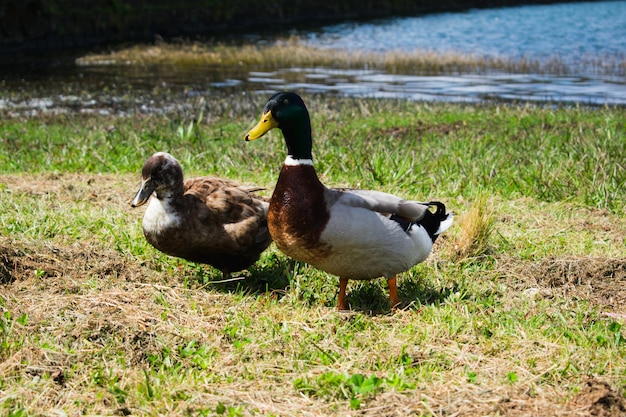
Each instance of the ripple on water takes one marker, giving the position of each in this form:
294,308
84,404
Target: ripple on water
469,87
350,83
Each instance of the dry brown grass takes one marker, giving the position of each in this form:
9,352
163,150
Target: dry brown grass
293,53
597,279
98,317
476,229
129,311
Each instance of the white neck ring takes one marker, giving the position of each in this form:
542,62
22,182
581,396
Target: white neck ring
291,161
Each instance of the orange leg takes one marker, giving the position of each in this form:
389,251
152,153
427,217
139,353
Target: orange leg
393,292
341,298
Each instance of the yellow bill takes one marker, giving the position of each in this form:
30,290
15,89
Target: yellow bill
266,124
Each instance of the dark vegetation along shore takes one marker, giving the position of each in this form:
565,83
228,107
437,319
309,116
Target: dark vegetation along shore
34,26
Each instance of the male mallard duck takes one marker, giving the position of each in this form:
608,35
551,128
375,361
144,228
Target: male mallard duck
355,234
205,219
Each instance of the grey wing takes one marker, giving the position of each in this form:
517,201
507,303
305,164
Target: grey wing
380,202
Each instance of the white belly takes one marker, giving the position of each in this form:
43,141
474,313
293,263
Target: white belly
366,245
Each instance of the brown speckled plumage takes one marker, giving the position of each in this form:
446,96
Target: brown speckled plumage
205,219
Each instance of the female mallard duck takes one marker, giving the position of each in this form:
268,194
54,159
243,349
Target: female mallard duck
205,219
355,234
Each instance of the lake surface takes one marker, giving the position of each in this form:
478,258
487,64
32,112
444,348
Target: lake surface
582,35
569,31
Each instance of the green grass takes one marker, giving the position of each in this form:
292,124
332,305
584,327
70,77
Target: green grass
95,321
568,154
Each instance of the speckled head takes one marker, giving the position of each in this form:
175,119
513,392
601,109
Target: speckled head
161,173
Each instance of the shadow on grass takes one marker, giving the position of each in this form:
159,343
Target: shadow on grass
276,274
270,276
372,297
416,293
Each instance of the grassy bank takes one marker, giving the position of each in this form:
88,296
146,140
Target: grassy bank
524,319
292,52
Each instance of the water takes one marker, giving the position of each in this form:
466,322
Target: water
580,34
452,88
568,31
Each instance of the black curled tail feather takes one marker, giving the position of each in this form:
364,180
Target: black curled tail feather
431,221
440,214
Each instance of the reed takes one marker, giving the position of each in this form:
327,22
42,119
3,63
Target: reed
292,52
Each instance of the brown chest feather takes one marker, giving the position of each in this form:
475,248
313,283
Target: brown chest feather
298,213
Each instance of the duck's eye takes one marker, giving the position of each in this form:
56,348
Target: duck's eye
286,101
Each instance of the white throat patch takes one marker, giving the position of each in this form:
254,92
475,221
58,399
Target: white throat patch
159,216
